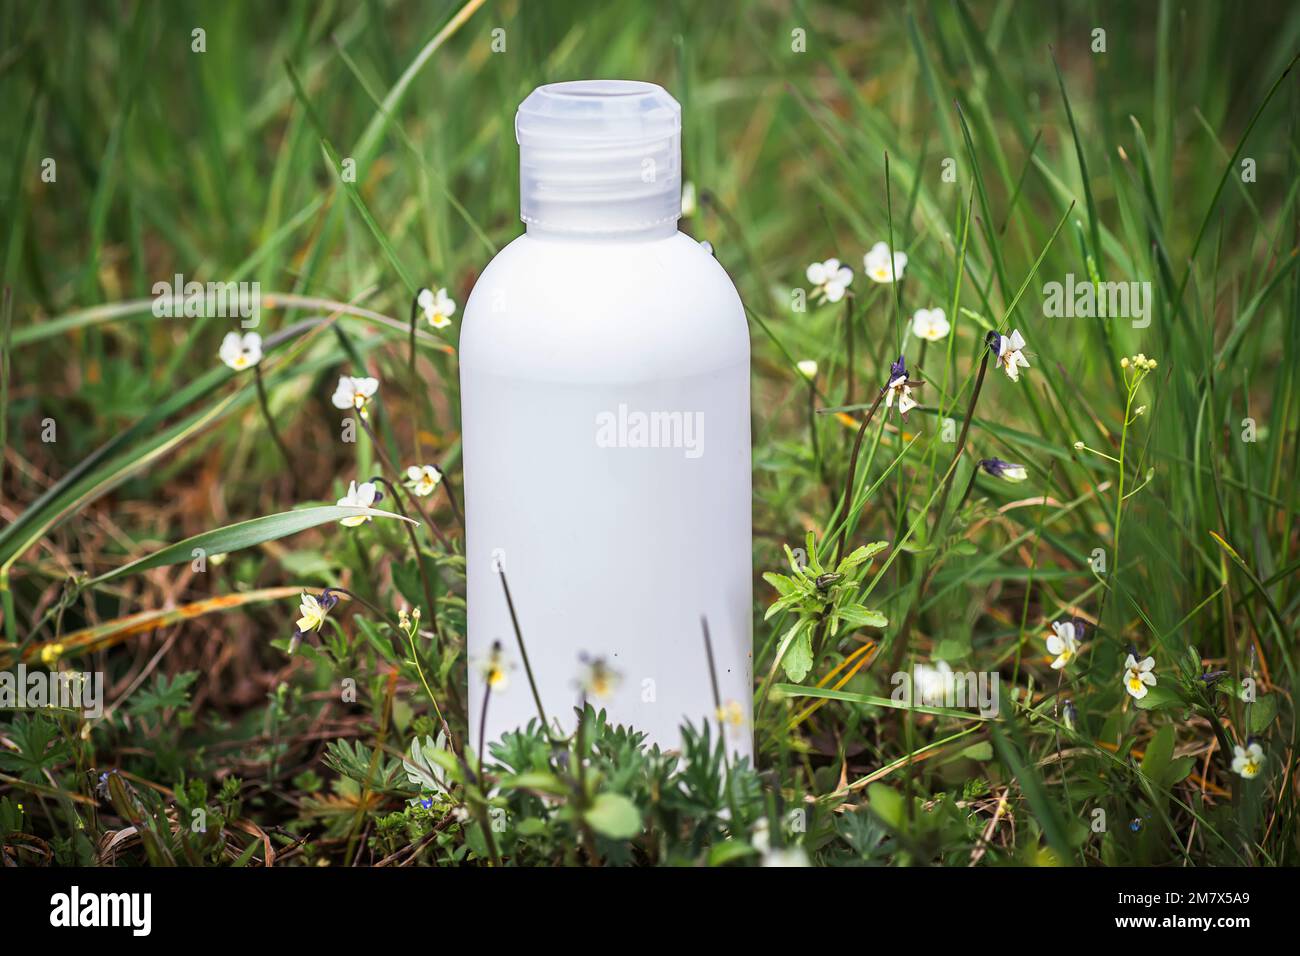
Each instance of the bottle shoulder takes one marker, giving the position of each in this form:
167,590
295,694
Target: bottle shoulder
617,311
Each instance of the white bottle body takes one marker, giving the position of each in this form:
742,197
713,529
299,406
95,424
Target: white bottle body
613,549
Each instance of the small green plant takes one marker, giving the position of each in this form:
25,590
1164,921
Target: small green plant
822,601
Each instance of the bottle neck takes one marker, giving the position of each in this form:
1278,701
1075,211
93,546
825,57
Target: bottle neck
661,230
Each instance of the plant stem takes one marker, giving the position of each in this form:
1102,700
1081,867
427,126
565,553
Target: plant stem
928,566
451,498
419,563
523,651
580,783
852,475
380,735
1119,495
482,732
848,348
415,315
415,657
965,495
270,421
433,612
818,463
388,465
333,589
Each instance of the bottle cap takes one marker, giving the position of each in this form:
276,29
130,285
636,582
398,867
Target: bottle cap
599,157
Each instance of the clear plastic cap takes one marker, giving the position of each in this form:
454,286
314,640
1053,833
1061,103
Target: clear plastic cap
599,156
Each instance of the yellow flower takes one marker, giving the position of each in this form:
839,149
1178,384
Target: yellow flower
358,496
1138,676
241,352
438,307
313,614
354,393
422,479
1247,761
1139,362
829,280
494,669
1062,643
882,265
731,715
930,324
600,680
51,653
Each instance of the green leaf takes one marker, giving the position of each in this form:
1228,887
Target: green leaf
538,780
1159,698
864,553
40,748
981,751
247,856
782,605
798,659
829,693
855,615
163,694
1261,713
448,762
421,768
243,534
1158,754
615,816
723,853
886,803
1178,770
784,586
306,564
531,826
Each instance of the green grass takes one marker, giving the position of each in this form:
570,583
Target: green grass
224,166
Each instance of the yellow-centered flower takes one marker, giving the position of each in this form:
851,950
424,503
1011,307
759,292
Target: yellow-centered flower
438,307
930,324
313,615
600,680
1247,761
494,669
881,266
1138,676
354,393
422,479
1063,644
731,714
358,496
241,352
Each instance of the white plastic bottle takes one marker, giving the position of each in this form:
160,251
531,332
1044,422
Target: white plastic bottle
605,400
